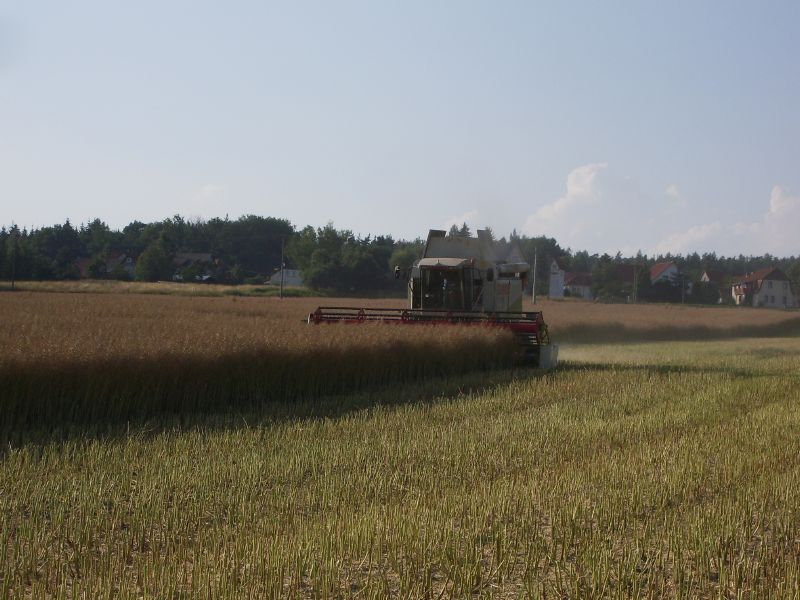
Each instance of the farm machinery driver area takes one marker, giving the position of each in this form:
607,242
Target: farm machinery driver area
463,281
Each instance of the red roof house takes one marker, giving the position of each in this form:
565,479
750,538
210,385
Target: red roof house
766,287
663,272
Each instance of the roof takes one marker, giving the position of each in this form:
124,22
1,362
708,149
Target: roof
658,269
115,259
715,276
508,251
560,263
184,257
83,264
762,274
511,268
448,263
482,248
578,278
626,273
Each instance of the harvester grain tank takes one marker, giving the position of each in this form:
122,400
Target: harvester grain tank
462,280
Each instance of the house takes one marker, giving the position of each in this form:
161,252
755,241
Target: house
716,280
558,274
626,273
115,264
291,277
194,266
664,272
506,251
579,284
83,263
767,287
709,276
182,260
120,262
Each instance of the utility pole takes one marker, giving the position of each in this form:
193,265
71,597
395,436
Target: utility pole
635,282
533,290
280,294
14,261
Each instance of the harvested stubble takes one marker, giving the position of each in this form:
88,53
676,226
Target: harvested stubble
94,358
574,321
607,479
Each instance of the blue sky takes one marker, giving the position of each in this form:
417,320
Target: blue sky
617,125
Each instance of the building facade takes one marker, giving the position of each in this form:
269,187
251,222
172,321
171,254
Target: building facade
558,276
291,278
768,287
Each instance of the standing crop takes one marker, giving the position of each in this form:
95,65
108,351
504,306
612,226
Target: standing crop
112,358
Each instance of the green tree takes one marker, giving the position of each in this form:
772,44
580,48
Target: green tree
405,253
580,262
154,263
96,237
644,287
338,260
793,273
705,293
4,237
53,251
300,248
604,278
254,243
98,269
119,273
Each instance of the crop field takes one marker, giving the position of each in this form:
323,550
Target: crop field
161,288
177,447
77,358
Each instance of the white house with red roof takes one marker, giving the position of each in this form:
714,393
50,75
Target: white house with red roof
768,287
579,284
558,274
719,280
664,272
717,277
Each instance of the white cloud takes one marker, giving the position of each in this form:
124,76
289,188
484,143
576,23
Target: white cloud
581,189
689,240
781,201
675,197
778,232
468,217
601,211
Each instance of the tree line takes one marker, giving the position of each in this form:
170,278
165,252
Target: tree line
249,250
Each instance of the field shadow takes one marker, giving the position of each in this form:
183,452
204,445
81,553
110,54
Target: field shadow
233,417
431,391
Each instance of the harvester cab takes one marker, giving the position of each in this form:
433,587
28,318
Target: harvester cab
466,281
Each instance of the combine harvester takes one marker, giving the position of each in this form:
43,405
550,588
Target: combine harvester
463,281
